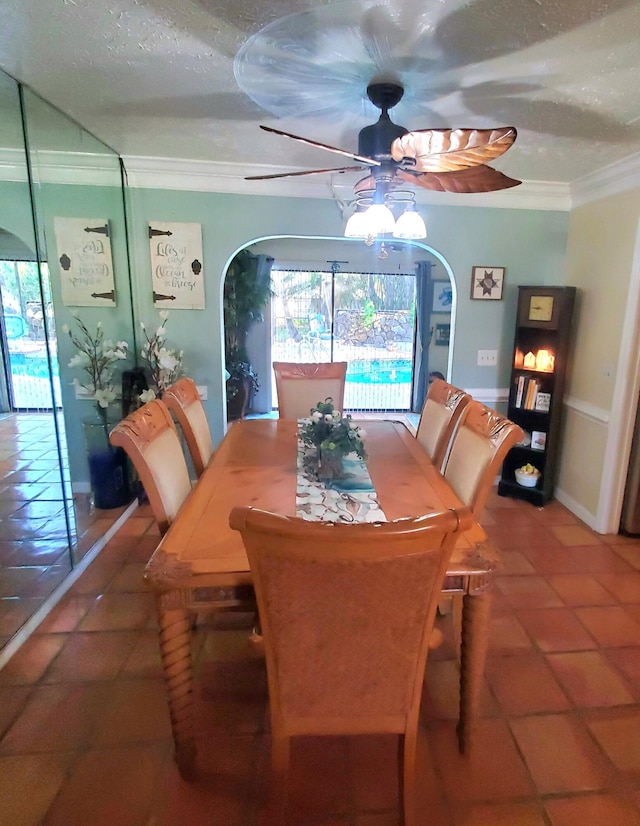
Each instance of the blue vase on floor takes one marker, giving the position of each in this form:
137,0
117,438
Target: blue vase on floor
109,470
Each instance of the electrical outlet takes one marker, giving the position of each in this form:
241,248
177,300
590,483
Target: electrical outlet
203,390
487,358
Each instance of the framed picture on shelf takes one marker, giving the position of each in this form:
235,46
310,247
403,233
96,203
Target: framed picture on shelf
442,297
487,283
543,402
538,440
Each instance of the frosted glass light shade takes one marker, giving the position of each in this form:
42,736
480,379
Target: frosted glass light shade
380,219
410,225
357,226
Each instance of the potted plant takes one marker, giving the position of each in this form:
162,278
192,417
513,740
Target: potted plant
242,383
247,288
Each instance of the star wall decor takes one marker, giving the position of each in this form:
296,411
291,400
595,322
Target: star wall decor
487,283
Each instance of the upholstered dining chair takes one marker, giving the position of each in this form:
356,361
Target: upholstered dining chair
183,400
346,613
301,386
439,419
480,443
151,440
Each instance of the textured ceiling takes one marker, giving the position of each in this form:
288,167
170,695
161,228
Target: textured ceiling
192,79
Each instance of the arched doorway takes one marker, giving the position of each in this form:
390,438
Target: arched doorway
330,292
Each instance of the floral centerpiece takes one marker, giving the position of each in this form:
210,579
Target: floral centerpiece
334,436
165,363
96,356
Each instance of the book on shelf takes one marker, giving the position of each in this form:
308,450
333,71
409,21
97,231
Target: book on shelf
530,398
528,395
519,390
538,440
543,402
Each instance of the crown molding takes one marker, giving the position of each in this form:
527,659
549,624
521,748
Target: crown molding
211,176
13,166
609,180
96,169
84,168
55,167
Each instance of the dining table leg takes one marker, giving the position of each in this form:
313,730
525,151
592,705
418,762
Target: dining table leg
476,609
175,650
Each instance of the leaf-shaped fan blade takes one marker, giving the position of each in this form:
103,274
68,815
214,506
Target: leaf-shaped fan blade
335,150
475,179
447,150
306,172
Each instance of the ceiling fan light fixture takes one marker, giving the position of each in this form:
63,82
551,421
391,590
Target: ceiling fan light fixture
410,225
380,219
357,225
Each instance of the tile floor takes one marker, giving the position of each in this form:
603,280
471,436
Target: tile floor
85,731
35,536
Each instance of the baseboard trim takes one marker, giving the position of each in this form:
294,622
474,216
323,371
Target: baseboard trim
576,509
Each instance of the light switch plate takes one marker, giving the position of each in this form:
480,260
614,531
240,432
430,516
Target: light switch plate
487,358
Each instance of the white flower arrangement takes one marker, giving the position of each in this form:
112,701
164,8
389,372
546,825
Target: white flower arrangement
329,430
165,363
96,356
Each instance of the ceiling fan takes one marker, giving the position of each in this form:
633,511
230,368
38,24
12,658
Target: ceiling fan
442,160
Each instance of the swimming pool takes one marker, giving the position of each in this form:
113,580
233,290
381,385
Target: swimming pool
380,371
35,366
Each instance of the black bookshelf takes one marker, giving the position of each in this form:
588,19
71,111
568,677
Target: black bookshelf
538,373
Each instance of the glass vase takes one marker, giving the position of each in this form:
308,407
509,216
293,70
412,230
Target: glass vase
330,464
109,470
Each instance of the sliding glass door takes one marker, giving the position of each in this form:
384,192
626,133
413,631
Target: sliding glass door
30,372
366,319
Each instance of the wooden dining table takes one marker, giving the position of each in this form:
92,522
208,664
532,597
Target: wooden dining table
201,563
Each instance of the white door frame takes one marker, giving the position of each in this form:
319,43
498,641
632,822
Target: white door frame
623,408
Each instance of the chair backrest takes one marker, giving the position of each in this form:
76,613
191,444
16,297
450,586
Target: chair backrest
440,418
480,444
346,614
150,439
301,386
183,400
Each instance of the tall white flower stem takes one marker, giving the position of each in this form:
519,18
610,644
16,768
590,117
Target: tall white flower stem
96,355
165,363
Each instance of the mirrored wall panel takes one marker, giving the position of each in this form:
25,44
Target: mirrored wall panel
66,335
34,527
81,246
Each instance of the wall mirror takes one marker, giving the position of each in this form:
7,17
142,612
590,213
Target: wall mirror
51,172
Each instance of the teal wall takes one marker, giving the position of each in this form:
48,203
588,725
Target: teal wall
85,202
530,244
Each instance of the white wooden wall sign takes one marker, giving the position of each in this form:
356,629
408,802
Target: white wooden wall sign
84,256
176,265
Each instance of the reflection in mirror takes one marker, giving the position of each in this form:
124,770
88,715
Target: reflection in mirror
49,515
81,238
386,309
34,540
